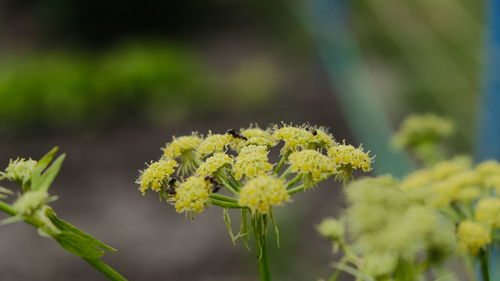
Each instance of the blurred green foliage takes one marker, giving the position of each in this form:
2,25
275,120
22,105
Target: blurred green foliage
158,82
427,52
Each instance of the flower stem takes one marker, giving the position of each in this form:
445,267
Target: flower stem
483,258
224,204
223,198
96,263
264,263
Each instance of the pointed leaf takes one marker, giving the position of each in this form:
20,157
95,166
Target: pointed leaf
227,221
78,245
66,226
47,158
43,181
275,226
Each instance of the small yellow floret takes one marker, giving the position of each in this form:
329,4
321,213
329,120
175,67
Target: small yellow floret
213,143
258,136
348,158
180,146
488,211
422,129
214,163
311,164
251,162
156,175
472,236
488,168
263,192
321,138
294,137
192,195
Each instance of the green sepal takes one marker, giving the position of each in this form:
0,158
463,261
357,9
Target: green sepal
43,181
67,227
78,245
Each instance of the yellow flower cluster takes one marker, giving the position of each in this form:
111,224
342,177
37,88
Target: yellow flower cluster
181,145
294,137
30,201
214,163
156,175
261,193
231,160
472,236
252,161
213,143
488,211
310,163
347,158
258,136
192,195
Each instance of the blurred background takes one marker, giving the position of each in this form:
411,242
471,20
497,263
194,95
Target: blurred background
111,81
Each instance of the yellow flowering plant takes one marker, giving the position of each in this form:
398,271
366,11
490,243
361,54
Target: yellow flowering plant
32,206
232,170
405,229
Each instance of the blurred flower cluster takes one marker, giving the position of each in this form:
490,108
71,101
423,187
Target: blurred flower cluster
403,229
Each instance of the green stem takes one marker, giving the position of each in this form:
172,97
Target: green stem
483,258
293,181
224,204
106,269
227,185
264,263
98,264
281,162
296,189
223,198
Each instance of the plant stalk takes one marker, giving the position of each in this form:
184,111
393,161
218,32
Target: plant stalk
483,259
264,263
96,263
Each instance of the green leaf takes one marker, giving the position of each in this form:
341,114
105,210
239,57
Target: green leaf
47,158
66,226
78,245
276,230
227,221
43,181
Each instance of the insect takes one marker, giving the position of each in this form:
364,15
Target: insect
312,130
171,186
236,134
213,180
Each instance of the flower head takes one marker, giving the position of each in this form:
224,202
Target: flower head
252,161
417,130
332,229
261,193
19,170
213,143
183,149
472,236
348,158
156,175
488,211
294,137
321,138
214,163
192,196
256,136
311,164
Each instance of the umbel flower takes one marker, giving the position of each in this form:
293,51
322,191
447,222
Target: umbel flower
233,170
